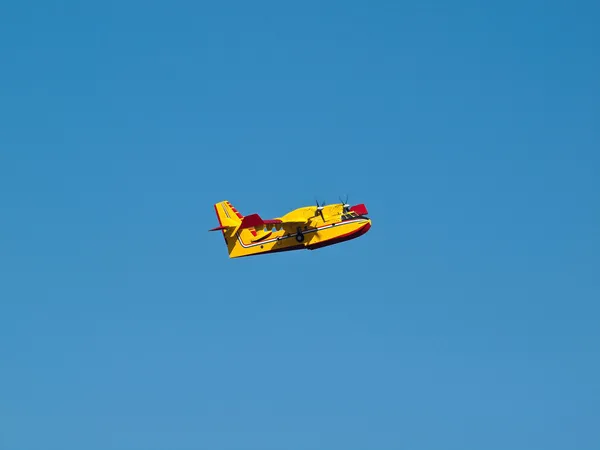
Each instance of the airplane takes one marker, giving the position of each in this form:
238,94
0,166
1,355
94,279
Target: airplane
309,227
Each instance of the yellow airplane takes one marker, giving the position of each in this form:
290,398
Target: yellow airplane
309,227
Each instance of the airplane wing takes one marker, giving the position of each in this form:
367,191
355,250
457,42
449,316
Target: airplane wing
255,221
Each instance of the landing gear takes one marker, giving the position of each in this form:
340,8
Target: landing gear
299,235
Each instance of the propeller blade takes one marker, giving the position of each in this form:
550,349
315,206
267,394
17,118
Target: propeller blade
344,203
319,209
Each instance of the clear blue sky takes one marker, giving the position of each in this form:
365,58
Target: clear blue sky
467,318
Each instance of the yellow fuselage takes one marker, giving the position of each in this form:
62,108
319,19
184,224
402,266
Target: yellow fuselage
299,229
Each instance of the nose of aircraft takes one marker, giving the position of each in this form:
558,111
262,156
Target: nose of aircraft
366,227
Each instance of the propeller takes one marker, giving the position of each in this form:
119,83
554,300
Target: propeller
319,210
345,205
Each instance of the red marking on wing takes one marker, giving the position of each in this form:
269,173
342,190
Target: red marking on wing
252,221
359,209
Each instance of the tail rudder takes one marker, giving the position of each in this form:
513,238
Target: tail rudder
236,227
229,222
228,216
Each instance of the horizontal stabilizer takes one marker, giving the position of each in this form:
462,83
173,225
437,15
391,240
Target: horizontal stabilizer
227,216
218,229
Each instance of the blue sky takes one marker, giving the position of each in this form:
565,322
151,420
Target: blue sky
466,318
